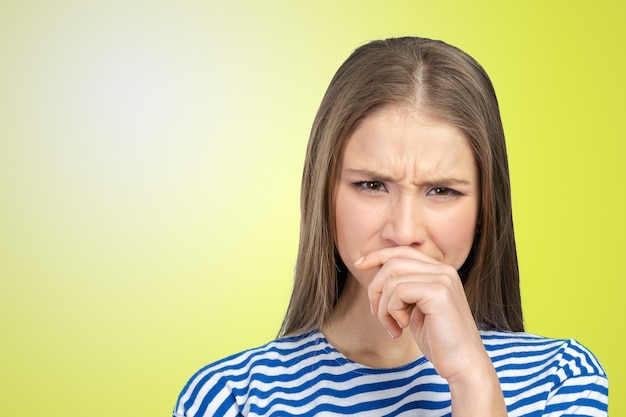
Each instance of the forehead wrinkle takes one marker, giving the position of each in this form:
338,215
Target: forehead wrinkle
439,166
380,145
425,177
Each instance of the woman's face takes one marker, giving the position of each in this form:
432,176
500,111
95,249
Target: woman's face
406,180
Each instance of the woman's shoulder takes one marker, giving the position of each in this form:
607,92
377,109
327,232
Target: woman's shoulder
274,353
534,350
559,376
214,386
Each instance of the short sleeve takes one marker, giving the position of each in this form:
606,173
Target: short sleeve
206,395
584,395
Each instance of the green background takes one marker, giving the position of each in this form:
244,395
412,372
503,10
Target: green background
150,159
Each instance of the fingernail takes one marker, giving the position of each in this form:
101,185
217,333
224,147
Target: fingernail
359,261
372,309
391,334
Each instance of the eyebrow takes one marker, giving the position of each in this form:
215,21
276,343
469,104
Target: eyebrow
369,174
443,181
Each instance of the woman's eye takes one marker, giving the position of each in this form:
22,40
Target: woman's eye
374,185
371,185
443,192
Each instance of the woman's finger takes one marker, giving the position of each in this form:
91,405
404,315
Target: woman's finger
380,257
402,298
396,270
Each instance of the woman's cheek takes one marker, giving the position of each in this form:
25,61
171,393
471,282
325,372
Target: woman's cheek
351,248
456,241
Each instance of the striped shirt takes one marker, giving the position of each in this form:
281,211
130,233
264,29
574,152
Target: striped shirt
305,376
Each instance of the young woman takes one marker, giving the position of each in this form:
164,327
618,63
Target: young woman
406,298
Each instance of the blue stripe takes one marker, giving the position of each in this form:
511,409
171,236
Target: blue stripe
584,402
577,389
537,398
354,408
422,405
351,391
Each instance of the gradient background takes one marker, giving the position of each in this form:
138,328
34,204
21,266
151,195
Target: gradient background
150,159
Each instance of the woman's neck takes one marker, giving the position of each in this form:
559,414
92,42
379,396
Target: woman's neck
359,336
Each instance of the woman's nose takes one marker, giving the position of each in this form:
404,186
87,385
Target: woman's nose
405,225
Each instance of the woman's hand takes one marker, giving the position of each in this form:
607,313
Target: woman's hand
412,290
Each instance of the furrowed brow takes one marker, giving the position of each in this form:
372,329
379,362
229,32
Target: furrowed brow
369,174
448,182
441,181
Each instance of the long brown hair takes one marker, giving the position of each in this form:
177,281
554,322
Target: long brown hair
449,85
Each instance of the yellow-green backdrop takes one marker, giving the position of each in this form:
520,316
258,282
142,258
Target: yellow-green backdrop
150,159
